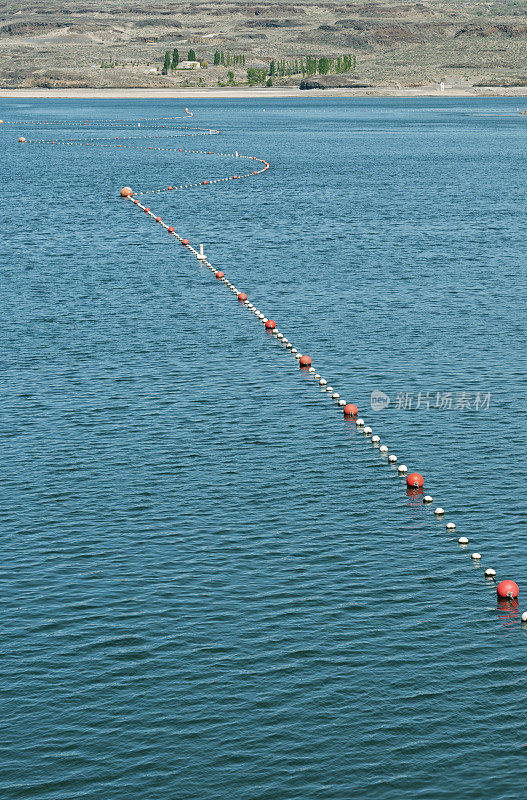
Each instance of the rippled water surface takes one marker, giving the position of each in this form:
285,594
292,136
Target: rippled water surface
213,587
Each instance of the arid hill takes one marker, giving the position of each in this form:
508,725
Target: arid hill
123,44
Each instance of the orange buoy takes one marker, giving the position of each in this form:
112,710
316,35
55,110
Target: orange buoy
170,188
242,296
351,410
508,589
205,183
126,191
147,211
171,230
21,139
158,219
270,324
184,242
415,480
235,177
220,275
304,361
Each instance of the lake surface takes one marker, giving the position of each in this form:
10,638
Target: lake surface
214,587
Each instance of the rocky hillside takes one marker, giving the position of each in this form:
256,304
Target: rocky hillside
122,44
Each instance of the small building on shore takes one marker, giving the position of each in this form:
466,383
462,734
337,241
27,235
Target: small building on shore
188,65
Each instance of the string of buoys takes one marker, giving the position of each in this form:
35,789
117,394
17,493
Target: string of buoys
506,590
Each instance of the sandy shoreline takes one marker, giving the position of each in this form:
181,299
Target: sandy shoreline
255,93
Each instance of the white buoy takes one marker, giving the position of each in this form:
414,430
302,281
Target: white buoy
289,346
275,331
427,499
375,439
329,389
360,423
285,341
392,459
367,431
279,335
335,396
451,526
524,617
322,381
476,556
383,449
342,403
311,370
294,350
463,540
297,355
490,573
439,511
402,468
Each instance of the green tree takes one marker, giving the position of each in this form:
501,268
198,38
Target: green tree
256,75
230,76
166,65
191,55
272,68
175,58
222,57
269,82
323,66
216,58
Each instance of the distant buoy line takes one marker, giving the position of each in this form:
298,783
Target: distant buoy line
507,590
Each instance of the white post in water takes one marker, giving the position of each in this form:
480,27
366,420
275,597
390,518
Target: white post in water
202,256
236,153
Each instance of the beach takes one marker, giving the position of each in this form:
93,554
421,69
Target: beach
263,93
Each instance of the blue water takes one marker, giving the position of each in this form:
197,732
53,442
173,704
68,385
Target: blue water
214,587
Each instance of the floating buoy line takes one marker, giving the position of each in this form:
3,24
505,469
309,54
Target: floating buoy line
507,590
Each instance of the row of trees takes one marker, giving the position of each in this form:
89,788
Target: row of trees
312,65
305,66
228,59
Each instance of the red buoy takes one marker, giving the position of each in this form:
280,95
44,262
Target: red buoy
184,242
147,211
242,296
21,139
220,274
235,177
270,324
351,410
126,191
158,219
508,589
304,361
170,188
415,480
205,183
171,230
